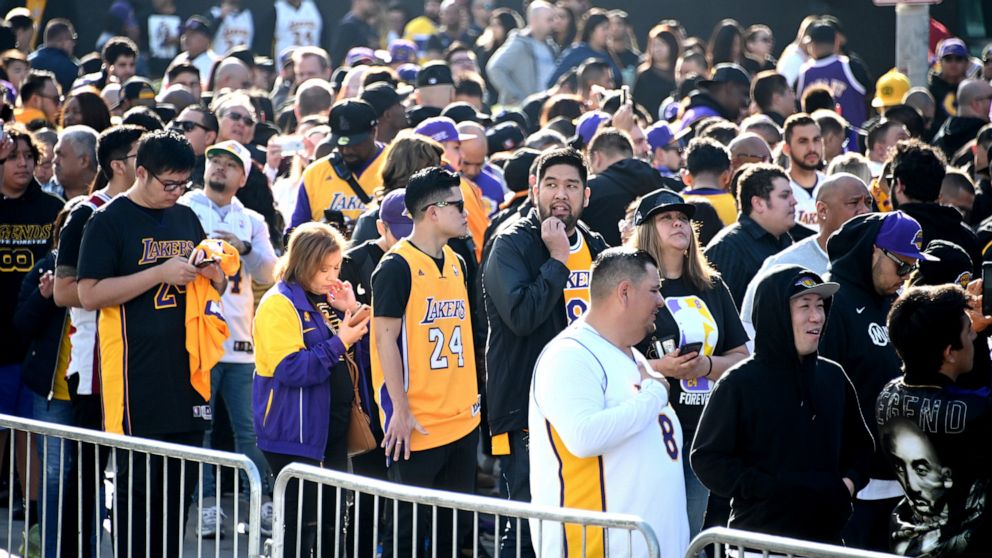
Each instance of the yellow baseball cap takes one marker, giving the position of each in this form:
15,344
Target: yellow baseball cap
890,88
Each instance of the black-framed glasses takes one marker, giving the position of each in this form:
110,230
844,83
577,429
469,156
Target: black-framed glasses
459,205
171,186
187,126
126,157
238,117
903,268
57,98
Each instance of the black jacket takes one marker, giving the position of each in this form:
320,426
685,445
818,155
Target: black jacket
856,335
738,251
781,431
612,191
525,309
955,132
945,223
44,325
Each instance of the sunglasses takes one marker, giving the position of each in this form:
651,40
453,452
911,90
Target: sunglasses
188,126
903,268
238,117
459,205
954,58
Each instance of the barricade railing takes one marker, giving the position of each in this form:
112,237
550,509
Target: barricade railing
488,516
736,543
91,466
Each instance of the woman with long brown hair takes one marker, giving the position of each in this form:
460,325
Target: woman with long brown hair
656,75
699,333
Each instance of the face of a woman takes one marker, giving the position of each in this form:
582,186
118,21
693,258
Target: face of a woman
498,30
660,53
327,274
72,114
673,230
600,35
559,23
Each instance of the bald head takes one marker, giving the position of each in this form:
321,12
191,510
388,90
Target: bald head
473,150
840,197
540,15
748,148
974,98
232,74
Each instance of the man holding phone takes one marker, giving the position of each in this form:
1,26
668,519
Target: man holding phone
223,216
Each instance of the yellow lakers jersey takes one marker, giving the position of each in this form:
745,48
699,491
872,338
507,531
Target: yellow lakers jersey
326,190
436,350
577,288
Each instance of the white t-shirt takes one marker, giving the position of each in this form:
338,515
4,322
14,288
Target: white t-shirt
600,442
297,26
239,299
806,202
234,30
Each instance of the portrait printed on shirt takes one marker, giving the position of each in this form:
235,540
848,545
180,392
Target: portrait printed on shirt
696,324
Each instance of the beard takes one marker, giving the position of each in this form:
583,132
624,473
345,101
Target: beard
569,220
216,186
806,166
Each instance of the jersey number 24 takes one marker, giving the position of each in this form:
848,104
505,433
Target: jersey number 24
454,343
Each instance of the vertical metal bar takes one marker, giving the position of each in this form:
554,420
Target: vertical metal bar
320,519
79,495
354,523
337,521
375,525
433,531
630,542
27,490
517,537
237,500
10,492
537,540
454,533
43,505
299,516
199,510
584,540
219,519
182,507
165,505
148,504
98,523
496,537
396,521
475,534
416,539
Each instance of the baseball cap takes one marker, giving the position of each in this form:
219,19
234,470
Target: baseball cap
953,268
402,51
658,201
197,23
441,129
464,112
359,55
660,134
19,16
902,235
137,89
517,169
808,282
504,137
434,73
517,116
890,89
728,73
589,123
392,212
382,96
952,47
234,149
408,72
352,121
822,32
286,56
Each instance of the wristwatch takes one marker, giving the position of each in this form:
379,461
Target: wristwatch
247,249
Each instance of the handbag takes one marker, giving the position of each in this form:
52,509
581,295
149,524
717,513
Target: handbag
360,438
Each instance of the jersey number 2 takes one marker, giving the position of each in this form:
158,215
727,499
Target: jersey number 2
436,336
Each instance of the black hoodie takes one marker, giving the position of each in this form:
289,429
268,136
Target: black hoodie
781,431
955,132
612,191
856,335
945,223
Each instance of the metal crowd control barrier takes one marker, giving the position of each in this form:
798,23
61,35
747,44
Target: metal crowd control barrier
122,453
386,495
734,542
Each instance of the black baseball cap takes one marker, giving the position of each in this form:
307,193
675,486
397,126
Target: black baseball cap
504,137
517,169
381,96
507,115
808,282
435,73
661,200
728,73
464,112
137,89
954,267
352,121
821,32
199,24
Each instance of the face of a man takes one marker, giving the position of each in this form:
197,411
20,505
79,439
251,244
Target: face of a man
473,154
644,301
357,155
199,137
308,67
69,165
123,68
236,123
452,222
162,190
191,82
778,212
51,101
919,471
560,193
885,272
642,150
953,67
45,169
19,168
849,200
805,147
223,174
808,314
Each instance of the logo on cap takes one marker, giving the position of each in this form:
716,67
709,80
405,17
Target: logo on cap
806,282
963,279
918,239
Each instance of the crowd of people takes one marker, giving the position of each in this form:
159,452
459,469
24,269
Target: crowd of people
699,284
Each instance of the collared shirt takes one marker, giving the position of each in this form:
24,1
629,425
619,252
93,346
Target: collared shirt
738,251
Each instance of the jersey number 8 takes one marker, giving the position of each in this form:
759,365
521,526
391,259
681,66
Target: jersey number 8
436,335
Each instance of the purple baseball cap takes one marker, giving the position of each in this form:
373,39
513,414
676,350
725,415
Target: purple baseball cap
952,47
392,212
408,72
589,123
441,129
902,235
359,55
661,134
402,51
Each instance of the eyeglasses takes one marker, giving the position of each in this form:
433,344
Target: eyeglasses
171,186
903,268
126,157
188,125
57,98
954,58
762,158
459,205
238,117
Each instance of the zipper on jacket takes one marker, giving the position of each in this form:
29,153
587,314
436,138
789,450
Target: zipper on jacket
301,415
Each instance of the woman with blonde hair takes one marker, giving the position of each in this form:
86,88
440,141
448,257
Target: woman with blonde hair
406,154
311,339
698,334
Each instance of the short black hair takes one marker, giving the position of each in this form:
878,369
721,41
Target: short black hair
114,143
144,117
164,151
562,156
921,169
57,29
209,119
765,85
34,83
924,321
427,186
470,85
17,132
612,141
590,70
615,265
878,131
909,116
830,122
757,180
723,131
817,97
117,47
706,155
173,72
795,121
